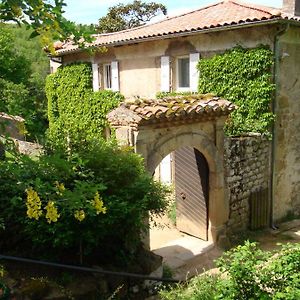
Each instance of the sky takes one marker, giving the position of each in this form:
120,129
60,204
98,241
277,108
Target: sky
89,11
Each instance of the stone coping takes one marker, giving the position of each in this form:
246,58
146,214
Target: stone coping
187,108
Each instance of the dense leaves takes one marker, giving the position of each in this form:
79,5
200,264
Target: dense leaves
246,272
23,69
126,189
45,18
242,76
125,16
76,113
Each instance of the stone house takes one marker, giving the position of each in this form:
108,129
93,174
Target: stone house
248,176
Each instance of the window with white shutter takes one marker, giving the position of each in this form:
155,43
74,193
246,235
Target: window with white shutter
194,73
183,73
165,74
107,76
95,70
187,73
115,76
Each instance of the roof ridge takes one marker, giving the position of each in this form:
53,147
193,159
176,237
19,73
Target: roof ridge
262,8
163,20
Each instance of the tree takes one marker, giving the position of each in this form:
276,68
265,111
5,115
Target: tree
44,18
131,15
23,68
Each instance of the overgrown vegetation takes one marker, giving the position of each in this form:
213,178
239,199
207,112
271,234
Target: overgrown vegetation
85,198
44,18
242,76
247,272
76,113
161,95
23,69
72,226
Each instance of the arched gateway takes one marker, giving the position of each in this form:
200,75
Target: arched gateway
156,128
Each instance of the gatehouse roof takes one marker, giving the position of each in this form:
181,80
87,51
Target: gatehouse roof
183,108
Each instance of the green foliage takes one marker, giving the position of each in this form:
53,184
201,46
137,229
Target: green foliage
201,287
14,66
172,212
242,266
125,16
88,28
76,113
247,272
23,68
242,76
161,95
128,193
45,18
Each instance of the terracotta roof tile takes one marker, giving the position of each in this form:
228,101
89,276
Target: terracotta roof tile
221,14
179,108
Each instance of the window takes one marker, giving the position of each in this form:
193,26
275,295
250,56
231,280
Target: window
107,76
183,73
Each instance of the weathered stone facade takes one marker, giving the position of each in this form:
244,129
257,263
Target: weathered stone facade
247,169
286,187
155,133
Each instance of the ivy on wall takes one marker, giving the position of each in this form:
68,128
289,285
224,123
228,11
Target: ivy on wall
242,76
75,112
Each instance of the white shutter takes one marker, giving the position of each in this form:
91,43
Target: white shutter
95,77
115,76
165,74
194,74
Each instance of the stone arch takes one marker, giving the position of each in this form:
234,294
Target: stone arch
218,206
157,127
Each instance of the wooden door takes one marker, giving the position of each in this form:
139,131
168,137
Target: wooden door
191,190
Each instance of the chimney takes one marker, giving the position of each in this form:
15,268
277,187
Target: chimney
291,7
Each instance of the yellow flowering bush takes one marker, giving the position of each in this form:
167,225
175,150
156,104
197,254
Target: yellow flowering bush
33,204
79,215
60,187
97,203
51,212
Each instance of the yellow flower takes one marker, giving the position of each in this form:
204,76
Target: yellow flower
79,215
51,214
33,204
98,204
60,187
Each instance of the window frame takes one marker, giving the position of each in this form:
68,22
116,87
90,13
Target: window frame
107,85
178,88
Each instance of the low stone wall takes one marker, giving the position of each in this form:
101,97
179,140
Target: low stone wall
13,126
247,169
31,149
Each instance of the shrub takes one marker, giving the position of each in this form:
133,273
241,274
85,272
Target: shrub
117,175
246,272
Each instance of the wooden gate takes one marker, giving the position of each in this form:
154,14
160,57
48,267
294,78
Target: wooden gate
191,190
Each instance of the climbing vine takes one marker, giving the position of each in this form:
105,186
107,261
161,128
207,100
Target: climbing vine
242,76
76,113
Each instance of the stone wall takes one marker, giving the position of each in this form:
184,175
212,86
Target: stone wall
247,169
286,188
12,126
